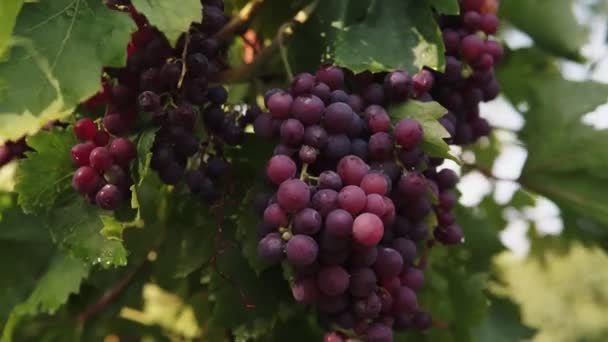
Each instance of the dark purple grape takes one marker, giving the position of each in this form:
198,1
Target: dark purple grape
302,84
279,104
374,94
333,280
301,250
352,199
116,175
339,223
380,146
363,282
330,180
293,195
337,117
412,277
450,235
379,333
412,185
315,136
338,95
270,248
217,95
389,263
337,147
171,173
407,249
408,133
331,75
359,148
398,85
263,126
322,91
405,301
308,154
308,109
324,201
368,307
363,256
108,197
292,132
307,221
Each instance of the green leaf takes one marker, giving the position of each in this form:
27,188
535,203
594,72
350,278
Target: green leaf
9,10
47,171
62,279
503,323
395,35
55,39
449,7
565,161
77,227
427,114
170,19
551,23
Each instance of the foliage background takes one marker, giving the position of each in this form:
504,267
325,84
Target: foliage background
537,186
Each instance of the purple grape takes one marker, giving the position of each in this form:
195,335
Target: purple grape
324,201
293,195
270,248
308,109
337,117
333,280
352,199
301,250
279,104
363,282
280,168
380,146
389,263
292,132
307,221
339,223
329,180
315,136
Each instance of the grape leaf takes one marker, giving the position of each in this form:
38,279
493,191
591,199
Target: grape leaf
449,7
55,38
395,35
9,10
77,226
62,278
552,24
170,19
46,172
564,161
503,323
427,114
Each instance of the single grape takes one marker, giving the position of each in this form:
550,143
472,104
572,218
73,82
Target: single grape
123,150
302,84
292,132
315,136
108,197
412,185
379,333
471,47
377,119
363,256
405,301
322,91
85,129
375,204
339,223
380,146
301,250
329,180
279,104
450,235
398,85
217,95
337,117
368,229
293,195
408,133
407,249
374,94
389,263
275,216
263,126
324,201
171,173
375,183
352,199
446,179
352,169
102,138
331,75
305,290
333,280
338,95
412,277
86,180
337,147
80,153
280,168
307,221
101,159
308,154
308,109
359,148
363,281
148,101
270,248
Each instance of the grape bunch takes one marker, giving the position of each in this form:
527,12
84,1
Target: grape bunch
174,86
469,77
13,150
173,90
351,202
103,165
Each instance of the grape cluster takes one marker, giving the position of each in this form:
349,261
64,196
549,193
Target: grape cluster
351,202
173,87
103,165
12,150
469,77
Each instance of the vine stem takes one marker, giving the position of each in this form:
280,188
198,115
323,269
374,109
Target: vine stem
246,70
184,55
111,294
240,21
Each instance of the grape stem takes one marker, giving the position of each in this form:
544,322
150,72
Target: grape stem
240,21
247,70
184,55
